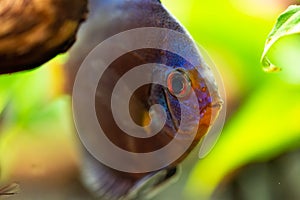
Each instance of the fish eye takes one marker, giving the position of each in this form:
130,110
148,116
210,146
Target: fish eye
178,83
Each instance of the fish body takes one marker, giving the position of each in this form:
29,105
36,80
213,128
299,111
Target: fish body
108,18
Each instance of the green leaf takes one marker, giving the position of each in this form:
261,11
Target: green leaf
287,24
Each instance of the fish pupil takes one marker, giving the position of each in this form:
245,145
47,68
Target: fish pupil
177,84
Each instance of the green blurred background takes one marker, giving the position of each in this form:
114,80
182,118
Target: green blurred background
39,150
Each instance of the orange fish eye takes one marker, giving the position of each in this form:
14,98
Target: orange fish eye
178,83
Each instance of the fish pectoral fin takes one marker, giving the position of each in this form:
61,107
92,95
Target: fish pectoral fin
9,189
150,185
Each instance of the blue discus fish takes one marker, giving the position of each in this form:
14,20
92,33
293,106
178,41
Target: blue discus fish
110,17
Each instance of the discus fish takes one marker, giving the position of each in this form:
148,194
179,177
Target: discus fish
110,17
